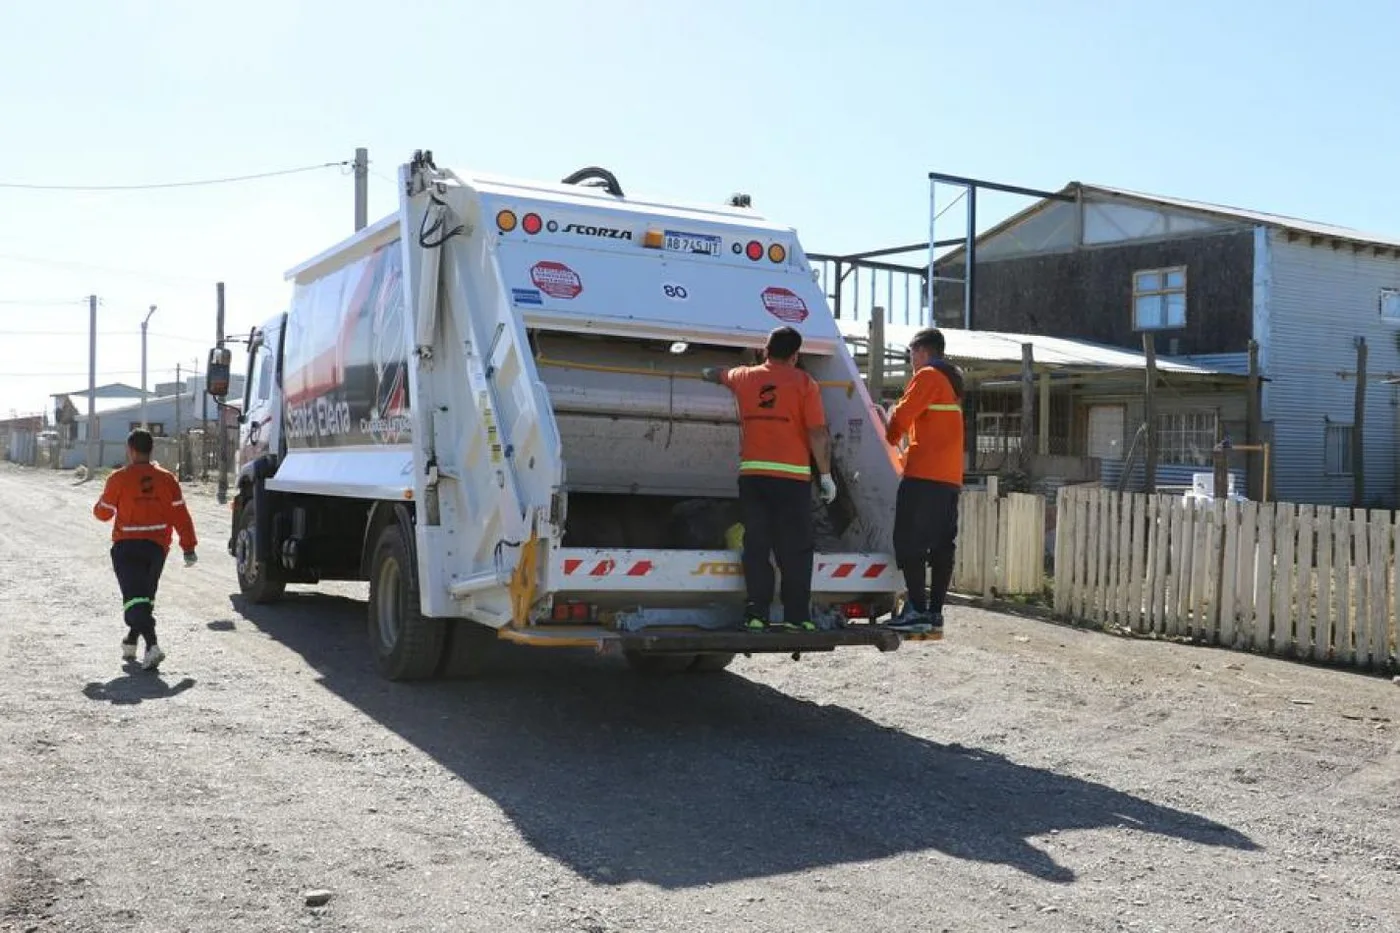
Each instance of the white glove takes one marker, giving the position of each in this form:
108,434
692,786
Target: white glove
828,489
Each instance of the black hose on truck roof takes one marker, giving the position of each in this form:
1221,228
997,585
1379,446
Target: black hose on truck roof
608,179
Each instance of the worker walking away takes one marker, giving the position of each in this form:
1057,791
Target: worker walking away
926,505
144,502
783,430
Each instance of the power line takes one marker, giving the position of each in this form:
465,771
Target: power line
135,332
175,184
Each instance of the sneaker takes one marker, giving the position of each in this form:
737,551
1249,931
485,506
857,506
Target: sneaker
807,626
755,625
154,655
911,621
128,651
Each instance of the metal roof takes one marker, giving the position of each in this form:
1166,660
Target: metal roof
1297,224
1217,211
1050,353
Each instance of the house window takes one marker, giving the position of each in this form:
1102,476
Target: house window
1390,304
1159,298
1186,438
1336,452
157,428
998,432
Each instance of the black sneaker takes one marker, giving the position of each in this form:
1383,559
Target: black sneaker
911,622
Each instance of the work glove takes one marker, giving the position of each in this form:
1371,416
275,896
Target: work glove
190,558
828,489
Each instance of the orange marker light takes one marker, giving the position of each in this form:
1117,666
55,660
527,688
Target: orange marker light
776,253
505,221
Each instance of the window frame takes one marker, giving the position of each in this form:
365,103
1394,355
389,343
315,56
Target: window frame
1166,456
1345,469
1392,293
1163,292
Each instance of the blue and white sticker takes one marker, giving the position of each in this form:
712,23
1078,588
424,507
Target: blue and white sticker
526,296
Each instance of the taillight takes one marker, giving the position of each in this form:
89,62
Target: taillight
856,611
754,250
776,253
532,224
571,612
505,221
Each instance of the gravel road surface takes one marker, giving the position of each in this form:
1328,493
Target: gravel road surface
1019,775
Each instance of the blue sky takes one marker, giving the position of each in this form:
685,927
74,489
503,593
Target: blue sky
829,114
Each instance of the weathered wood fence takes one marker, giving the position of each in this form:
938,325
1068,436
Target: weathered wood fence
1001,544
1276,578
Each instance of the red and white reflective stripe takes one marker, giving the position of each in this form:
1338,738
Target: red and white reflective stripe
144,527
842,571
107,505
605,568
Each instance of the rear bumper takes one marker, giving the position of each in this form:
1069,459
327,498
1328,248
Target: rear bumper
693,641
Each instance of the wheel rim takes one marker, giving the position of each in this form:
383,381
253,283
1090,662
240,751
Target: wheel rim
387,603
243,555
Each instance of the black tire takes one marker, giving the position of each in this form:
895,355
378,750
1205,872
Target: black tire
712,663
406,645
468,649
253,581
647,662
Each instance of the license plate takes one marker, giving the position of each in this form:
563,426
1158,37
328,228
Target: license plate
677,242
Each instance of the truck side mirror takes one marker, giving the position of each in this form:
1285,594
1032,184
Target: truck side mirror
217,372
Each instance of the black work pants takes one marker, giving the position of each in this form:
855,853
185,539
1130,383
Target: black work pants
777,516
925,539
138,565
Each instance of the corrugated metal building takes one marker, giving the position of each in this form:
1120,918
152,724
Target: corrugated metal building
1203,280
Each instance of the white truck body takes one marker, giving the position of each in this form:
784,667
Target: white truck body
499,355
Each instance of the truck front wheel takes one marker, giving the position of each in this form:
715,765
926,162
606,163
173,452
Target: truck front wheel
253,581
406,644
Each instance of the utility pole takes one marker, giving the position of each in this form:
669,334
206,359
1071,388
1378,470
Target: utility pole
1358,430
203,423
1149,392
143,365
223,445
361,188
179,390
92,384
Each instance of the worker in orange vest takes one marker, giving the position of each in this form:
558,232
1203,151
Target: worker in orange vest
783,429
926,505
144,502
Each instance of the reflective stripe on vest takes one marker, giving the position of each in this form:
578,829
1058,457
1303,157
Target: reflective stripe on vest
952,407
775,467
144,527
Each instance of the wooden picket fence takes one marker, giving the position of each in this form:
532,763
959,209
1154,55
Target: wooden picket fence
1001,544
1276,578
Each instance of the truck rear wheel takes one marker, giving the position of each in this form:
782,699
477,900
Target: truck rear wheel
253,581
711,663
406,644
468,650
648,662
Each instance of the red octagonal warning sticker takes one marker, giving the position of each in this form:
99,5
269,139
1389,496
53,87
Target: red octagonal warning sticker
785,304
557,280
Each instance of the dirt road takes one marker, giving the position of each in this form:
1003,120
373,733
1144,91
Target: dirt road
1017,776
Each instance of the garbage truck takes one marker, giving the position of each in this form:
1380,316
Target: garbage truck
488,405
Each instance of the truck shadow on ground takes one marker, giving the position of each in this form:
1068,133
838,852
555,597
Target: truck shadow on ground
704,779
